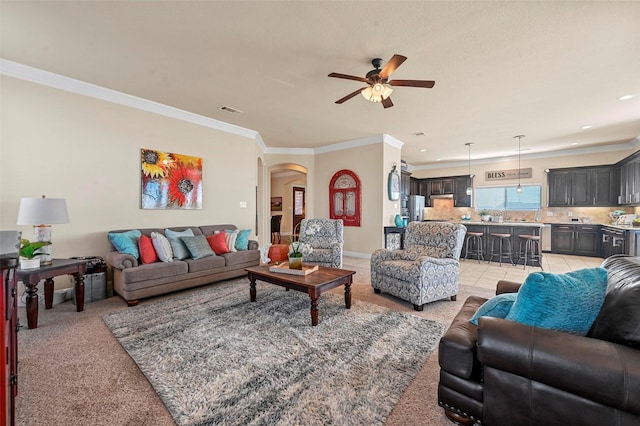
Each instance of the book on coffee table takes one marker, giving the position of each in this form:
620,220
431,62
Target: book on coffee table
283,268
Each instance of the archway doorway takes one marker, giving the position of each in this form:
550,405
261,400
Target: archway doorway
284,178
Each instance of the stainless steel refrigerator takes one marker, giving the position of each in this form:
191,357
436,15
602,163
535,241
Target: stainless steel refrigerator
416,208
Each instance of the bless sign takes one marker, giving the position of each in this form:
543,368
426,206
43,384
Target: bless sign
508,174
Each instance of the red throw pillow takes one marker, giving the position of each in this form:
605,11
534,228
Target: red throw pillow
147,252
218,243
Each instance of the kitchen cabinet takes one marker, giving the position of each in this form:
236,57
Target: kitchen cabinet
405,191
582,240
629,188
582,186
460,197
441,186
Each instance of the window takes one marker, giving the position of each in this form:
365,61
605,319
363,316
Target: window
344,198
506,198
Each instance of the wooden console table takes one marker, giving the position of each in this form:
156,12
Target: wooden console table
31,278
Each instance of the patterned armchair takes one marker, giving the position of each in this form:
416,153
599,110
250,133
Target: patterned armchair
325,236
427,269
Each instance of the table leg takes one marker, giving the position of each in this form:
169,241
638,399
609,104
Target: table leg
314,311
252,288
48,293
32,305
347,295
79,292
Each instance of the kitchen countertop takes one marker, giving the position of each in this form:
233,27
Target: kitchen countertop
525,224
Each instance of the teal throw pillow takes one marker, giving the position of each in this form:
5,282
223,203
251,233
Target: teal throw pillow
497,307
179,249
242,240
198,246
565,302
126,242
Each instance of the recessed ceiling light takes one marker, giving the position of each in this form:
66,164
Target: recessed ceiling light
423,150
575,143
438,159
626,97
585,127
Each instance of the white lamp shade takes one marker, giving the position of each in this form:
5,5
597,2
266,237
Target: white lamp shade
42,211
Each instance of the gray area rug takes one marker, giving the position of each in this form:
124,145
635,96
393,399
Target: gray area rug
214,357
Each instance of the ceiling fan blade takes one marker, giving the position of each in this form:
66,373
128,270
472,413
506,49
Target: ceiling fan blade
391,66
349,96
386,102
413,83
348,77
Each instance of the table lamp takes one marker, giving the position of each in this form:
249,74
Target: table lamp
42,213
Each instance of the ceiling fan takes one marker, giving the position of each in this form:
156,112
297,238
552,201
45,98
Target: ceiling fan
379,85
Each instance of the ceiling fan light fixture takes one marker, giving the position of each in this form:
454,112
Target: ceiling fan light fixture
377,92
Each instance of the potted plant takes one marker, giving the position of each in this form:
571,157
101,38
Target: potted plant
636,222
296,251
28,257
485,215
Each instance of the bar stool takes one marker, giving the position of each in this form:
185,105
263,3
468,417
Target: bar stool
531,250
503,241
474,239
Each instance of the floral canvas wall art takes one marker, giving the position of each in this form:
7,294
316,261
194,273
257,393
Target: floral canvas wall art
170,181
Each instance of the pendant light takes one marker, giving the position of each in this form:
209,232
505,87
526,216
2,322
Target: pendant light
469,188
519,187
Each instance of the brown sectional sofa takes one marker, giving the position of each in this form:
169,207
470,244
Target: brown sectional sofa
134,281
506,373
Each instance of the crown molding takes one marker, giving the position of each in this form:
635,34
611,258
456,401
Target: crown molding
60,82
550,154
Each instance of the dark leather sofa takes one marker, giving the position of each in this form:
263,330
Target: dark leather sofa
505,373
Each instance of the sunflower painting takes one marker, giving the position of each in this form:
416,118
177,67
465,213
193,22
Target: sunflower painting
170,181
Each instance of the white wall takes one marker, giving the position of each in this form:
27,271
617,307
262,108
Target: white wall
87,151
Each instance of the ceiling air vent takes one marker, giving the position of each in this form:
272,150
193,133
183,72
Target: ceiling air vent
230,110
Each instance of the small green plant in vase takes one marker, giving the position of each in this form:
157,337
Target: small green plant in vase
485,215
297,250
28,253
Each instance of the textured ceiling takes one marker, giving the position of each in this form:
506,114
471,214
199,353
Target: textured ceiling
543,69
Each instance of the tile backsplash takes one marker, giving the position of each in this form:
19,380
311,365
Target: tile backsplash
443,209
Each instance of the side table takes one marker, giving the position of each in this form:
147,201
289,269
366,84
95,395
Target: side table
31,278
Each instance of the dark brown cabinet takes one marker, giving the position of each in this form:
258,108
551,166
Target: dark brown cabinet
9,329
460,197
582,186
629,188
582,240
515,232
455,186
405,191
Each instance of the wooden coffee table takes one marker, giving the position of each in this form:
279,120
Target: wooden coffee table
314,284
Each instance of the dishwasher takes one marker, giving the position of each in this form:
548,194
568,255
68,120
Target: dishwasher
545,238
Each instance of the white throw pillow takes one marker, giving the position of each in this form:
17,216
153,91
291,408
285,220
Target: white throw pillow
162,247
231,235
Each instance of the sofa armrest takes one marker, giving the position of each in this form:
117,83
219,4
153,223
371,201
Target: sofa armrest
121,260
595,369
505,286
457,349
380,255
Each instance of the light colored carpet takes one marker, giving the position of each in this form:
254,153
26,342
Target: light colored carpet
72,370
215,358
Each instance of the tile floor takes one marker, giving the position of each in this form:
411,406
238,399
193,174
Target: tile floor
486,274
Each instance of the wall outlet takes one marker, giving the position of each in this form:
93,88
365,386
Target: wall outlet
570,214
243,204
549,214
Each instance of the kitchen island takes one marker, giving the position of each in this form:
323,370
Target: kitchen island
514,228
